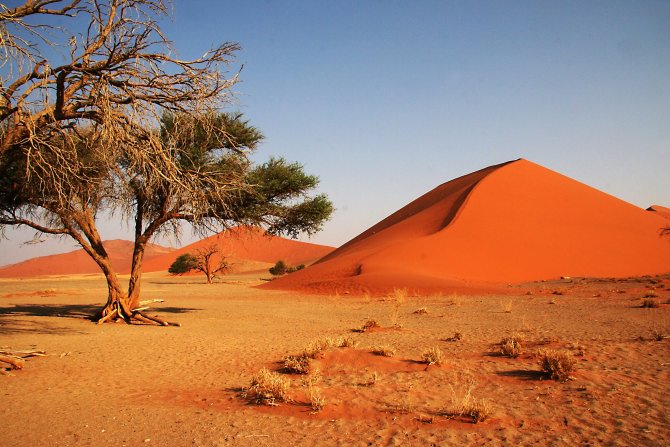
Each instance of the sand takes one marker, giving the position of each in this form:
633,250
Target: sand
131,385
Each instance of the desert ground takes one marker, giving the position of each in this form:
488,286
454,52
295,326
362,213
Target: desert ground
118,384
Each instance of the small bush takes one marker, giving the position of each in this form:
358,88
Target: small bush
557,364
282,268
433,356
649,303
369,324
384,350
511,346
421,311
456,337
267,388
296,364
478,410
316,399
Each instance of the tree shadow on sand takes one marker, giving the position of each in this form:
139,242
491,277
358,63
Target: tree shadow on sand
524,374
11,325
81,311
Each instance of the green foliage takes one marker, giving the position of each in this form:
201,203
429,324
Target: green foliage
183,264
282,268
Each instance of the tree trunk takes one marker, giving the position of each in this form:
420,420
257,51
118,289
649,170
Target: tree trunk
134,283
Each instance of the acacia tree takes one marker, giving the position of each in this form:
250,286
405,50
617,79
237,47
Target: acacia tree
207,260
77,139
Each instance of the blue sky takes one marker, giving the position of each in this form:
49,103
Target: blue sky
384,100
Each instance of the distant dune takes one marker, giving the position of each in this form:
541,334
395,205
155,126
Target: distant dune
248,249
508,223
78,262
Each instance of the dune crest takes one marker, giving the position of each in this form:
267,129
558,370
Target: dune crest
508,223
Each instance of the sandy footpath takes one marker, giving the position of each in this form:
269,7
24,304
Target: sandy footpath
129,385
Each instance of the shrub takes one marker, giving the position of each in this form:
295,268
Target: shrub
279,268
369,324
649,303
478,410
384,350
421,311
282,268
557,364
296,364
433,356
183,264
267,388
316,399
511,346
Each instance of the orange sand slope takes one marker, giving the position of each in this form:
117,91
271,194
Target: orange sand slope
660,210
512,222
248,249
78,262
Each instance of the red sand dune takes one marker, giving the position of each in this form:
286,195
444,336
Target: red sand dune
660,210
78,262
512,222
249,249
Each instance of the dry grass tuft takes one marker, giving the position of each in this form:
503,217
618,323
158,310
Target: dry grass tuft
649,303
557,364
267,388
650,294
456,337
316,399
421,311
369,324
433,356
384,350
478,410
511,346
296,364
398,297
506,306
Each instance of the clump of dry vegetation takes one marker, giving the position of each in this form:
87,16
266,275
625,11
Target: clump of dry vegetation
557,364
650,294
316,399
267,388
398,297
649,303
456,337
478,410
511,346
421,311
433,356
384,350
296,364
506,306
369,324
374,378
316,347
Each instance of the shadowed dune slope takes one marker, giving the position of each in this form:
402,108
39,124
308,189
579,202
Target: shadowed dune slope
248,249
78,262
513,222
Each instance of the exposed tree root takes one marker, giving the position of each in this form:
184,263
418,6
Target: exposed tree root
13,359
119,310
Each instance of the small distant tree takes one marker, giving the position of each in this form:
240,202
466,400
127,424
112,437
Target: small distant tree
204,260
281,268
183,264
